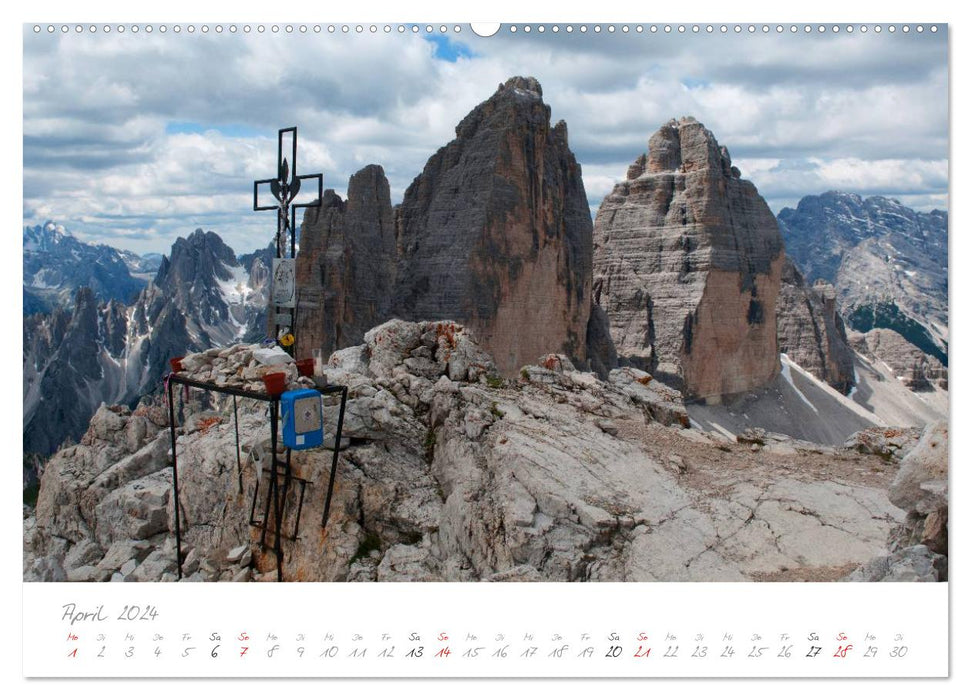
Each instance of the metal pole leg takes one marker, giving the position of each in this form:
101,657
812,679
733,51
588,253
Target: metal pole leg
333,464
239,461
175,484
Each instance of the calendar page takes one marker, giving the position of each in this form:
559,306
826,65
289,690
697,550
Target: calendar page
545,349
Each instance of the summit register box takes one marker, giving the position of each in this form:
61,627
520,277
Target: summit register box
303,423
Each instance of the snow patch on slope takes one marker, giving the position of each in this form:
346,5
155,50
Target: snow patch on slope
787,365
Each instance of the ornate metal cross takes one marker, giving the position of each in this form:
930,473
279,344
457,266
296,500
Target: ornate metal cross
284,189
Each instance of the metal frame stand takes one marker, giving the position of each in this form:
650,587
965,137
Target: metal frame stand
279,468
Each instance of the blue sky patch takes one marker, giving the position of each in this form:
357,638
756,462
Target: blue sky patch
692,83
448,50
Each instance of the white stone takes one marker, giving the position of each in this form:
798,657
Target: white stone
237,552
272,356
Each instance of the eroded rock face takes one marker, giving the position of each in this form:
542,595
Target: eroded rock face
496,234
687,266
345,267
811,330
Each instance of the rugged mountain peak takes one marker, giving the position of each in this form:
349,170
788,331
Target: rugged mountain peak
68,367
116,353
201,254
887,262
346,264
495,232
56,264
687,266
206,283
44,238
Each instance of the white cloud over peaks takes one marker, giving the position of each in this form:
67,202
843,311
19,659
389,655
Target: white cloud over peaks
136,139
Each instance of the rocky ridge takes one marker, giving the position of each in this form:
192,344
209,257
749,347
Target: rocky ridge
453,473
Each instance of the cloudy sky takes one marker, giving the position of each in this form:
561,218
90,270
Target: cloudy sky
135,139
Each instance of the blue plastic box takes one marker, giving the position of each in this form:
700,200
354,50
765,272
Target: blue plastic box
303,419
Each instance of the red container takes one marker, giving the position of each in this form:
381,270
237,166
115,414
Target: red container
276,383
176,363
306,367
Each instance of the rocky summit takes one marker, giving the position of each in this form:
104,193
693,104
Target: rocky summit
687,267
496,232
450,472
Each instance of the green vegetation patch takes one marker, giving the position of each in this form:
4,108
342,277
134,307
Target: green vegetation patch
886,314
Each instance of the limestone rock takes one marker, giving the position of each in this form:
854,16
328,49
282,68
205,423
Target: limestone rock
933,533
345,267
86,573
155,566
352,359
389,344
445,347
921,488
83,553
663,403
810,329
128,567
496,234
921,483
912,564
884,442
121,551
265,356
138,510
237,553
687,266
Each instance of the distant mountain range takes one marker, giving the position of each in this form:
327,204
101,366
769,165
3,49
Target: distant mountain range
887,262
90,349
57,264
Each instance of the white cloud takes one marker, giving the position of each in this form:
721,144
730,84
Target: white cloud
799,114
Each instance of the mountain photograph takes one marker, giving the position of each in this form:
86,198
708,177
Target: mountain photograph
592,325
